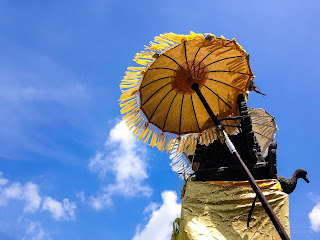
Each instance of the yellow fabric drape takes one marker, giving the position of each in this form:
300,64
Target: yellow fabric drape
219,210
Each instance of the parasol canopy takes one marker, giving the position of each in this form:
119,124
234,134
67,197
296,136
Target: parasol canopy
263,126
158,99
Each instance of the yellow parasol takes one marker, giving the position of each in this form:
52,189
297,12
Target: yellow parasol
189,84
158,100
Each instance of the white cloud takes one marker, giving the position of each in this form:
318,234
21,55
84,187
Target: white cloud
60,211
36,232
314,217
14,191
159,226
126,159
32,197
3,181
29,193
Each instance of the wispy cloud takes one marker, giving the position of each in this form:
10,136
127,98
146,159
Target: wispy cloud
64,210
35,232
126,160
30,195
159,226
37,92
31,93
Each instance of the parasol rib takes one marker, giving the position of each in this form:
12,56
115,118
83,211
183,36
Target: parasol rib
194,59
206,56
171,59
196,54
218,96
263,135
224,83
181,114
185,54
229,72
169,111
160,103
194,111
155,93
223,60
162,68
155,81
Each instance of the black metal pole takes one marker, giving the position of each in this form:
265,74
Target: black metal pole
247,172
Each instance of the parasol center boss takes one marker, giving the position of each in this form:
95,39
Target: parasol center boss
187,74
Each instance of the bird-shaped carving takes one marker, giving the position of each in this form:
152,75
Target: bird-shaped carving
289,184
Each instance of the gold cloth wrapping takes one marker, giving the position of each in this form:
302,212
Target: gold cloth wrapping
219,210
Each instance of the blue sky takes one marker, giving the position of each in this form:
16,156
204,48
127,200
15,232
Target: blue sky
61,137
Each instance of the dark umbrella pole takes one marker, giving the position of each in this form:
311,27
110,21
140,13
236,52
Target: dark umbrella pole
245,169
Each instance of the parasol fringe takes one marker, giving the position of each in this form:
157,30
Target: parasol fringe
133,73
153,139
148,137
144,55
134,122
210,134
130,113
144,133
142,61
130,81
172,145
138,128
180,143
169,144
164,139
129,92
123,111
122,104
193,145
131,77
164,40
127,95
122,100
136,68
128,106
164,142
160,141
206,137
128,86
186,143
131,118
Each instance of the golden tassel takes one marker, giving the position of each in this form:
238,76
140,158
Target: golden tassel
138,128
144,133
172,146
128,121
128,102
148,137
134,123
154,139
169,144
163,144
